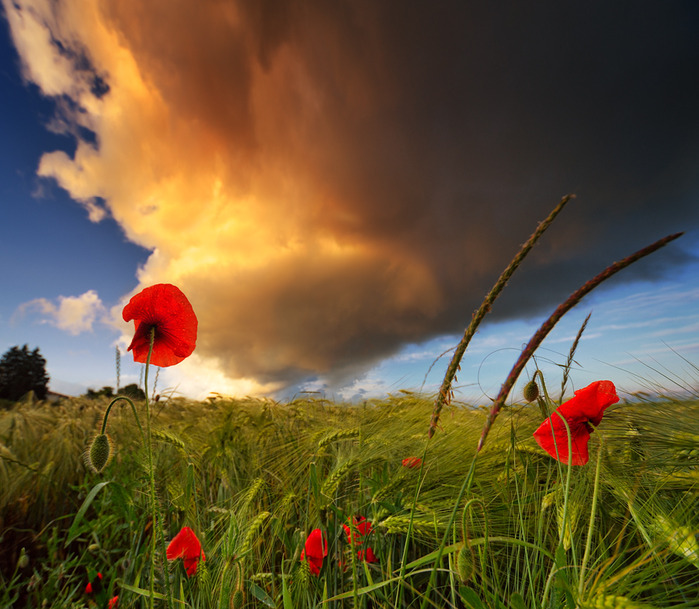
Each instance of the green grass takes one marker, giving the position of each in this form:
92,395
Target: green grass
254,477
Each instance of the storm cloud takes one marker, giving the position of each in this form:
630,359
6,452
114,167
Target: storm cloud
328,181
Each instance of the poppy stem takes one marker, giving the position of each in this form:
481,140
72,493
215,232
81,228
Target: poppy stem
151,473
133,408
548,325
157,529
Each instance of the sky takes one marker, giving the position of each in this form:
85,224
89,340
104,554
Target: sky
335,186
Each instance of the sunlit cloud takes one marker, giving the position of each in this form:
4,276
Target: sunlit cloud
289,175
74,314
197,377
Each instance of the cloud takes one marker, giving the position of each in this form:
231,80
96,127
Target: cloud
330,181
74,314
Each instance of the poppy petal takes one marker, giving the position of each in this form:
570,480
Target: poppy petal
589,403
587,406
362,527
367,556
411,462
186,545
315,549
165,308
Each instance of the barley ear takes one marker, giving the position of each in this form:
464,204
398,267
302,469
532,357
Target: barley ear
445,391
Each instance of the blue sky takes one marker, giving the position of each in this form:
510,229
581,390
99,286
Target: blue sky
335,217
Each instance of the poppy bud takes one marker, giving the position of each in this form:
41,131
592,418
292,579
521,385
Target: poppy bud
23,559
237,599
100,453
531,391
464,563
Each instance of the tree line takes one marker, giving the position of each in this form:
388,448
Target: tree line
23,370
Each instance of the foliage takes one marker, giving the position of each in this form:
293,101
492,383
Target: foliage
253,478
106,392
132,391
22,371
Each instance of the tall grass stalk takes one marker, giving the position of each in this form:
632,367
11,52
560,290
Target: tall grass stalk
554,318
445,391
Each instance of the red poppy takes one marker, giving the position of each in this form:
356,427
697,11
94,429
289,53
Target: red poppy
95,585
362,527
165,308
314,550
185,545
412,462
368,556
585,408
113,603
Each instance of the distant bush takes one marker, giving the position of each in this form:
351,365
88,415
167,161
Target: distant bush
22,371
132,391
93,394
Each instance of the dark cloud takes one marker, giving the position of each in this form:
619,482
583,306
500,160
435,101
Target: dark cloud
426,141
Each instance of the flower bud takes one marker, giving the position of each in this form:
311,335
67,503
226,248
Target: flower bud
100,453
464,564
531,391
237,599
23,559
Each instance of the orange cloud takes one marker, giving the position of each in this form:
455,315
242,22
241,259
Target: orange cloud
326,181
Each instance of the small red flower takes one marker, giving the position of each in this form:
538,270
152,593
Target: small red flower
94,585
412,462
314,550
585,408
165,308
368,556
362,527
113,603
185,545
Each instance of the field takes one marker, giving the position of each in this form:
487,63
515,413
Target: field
252,478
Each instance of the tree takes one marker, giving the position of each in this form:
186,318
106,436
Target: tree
133,391
106,391
21,371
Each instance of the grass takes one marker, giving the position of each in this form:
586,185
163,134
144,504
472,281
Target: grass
254,477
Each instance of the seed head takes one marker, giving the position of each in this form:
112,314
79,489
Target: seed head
23,560
100,453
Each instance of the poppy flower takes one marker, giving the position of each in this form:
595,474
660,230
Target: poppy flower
314,550
95,585
585,408
367,555
165,308
185,545
113,602
412,462
362,527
